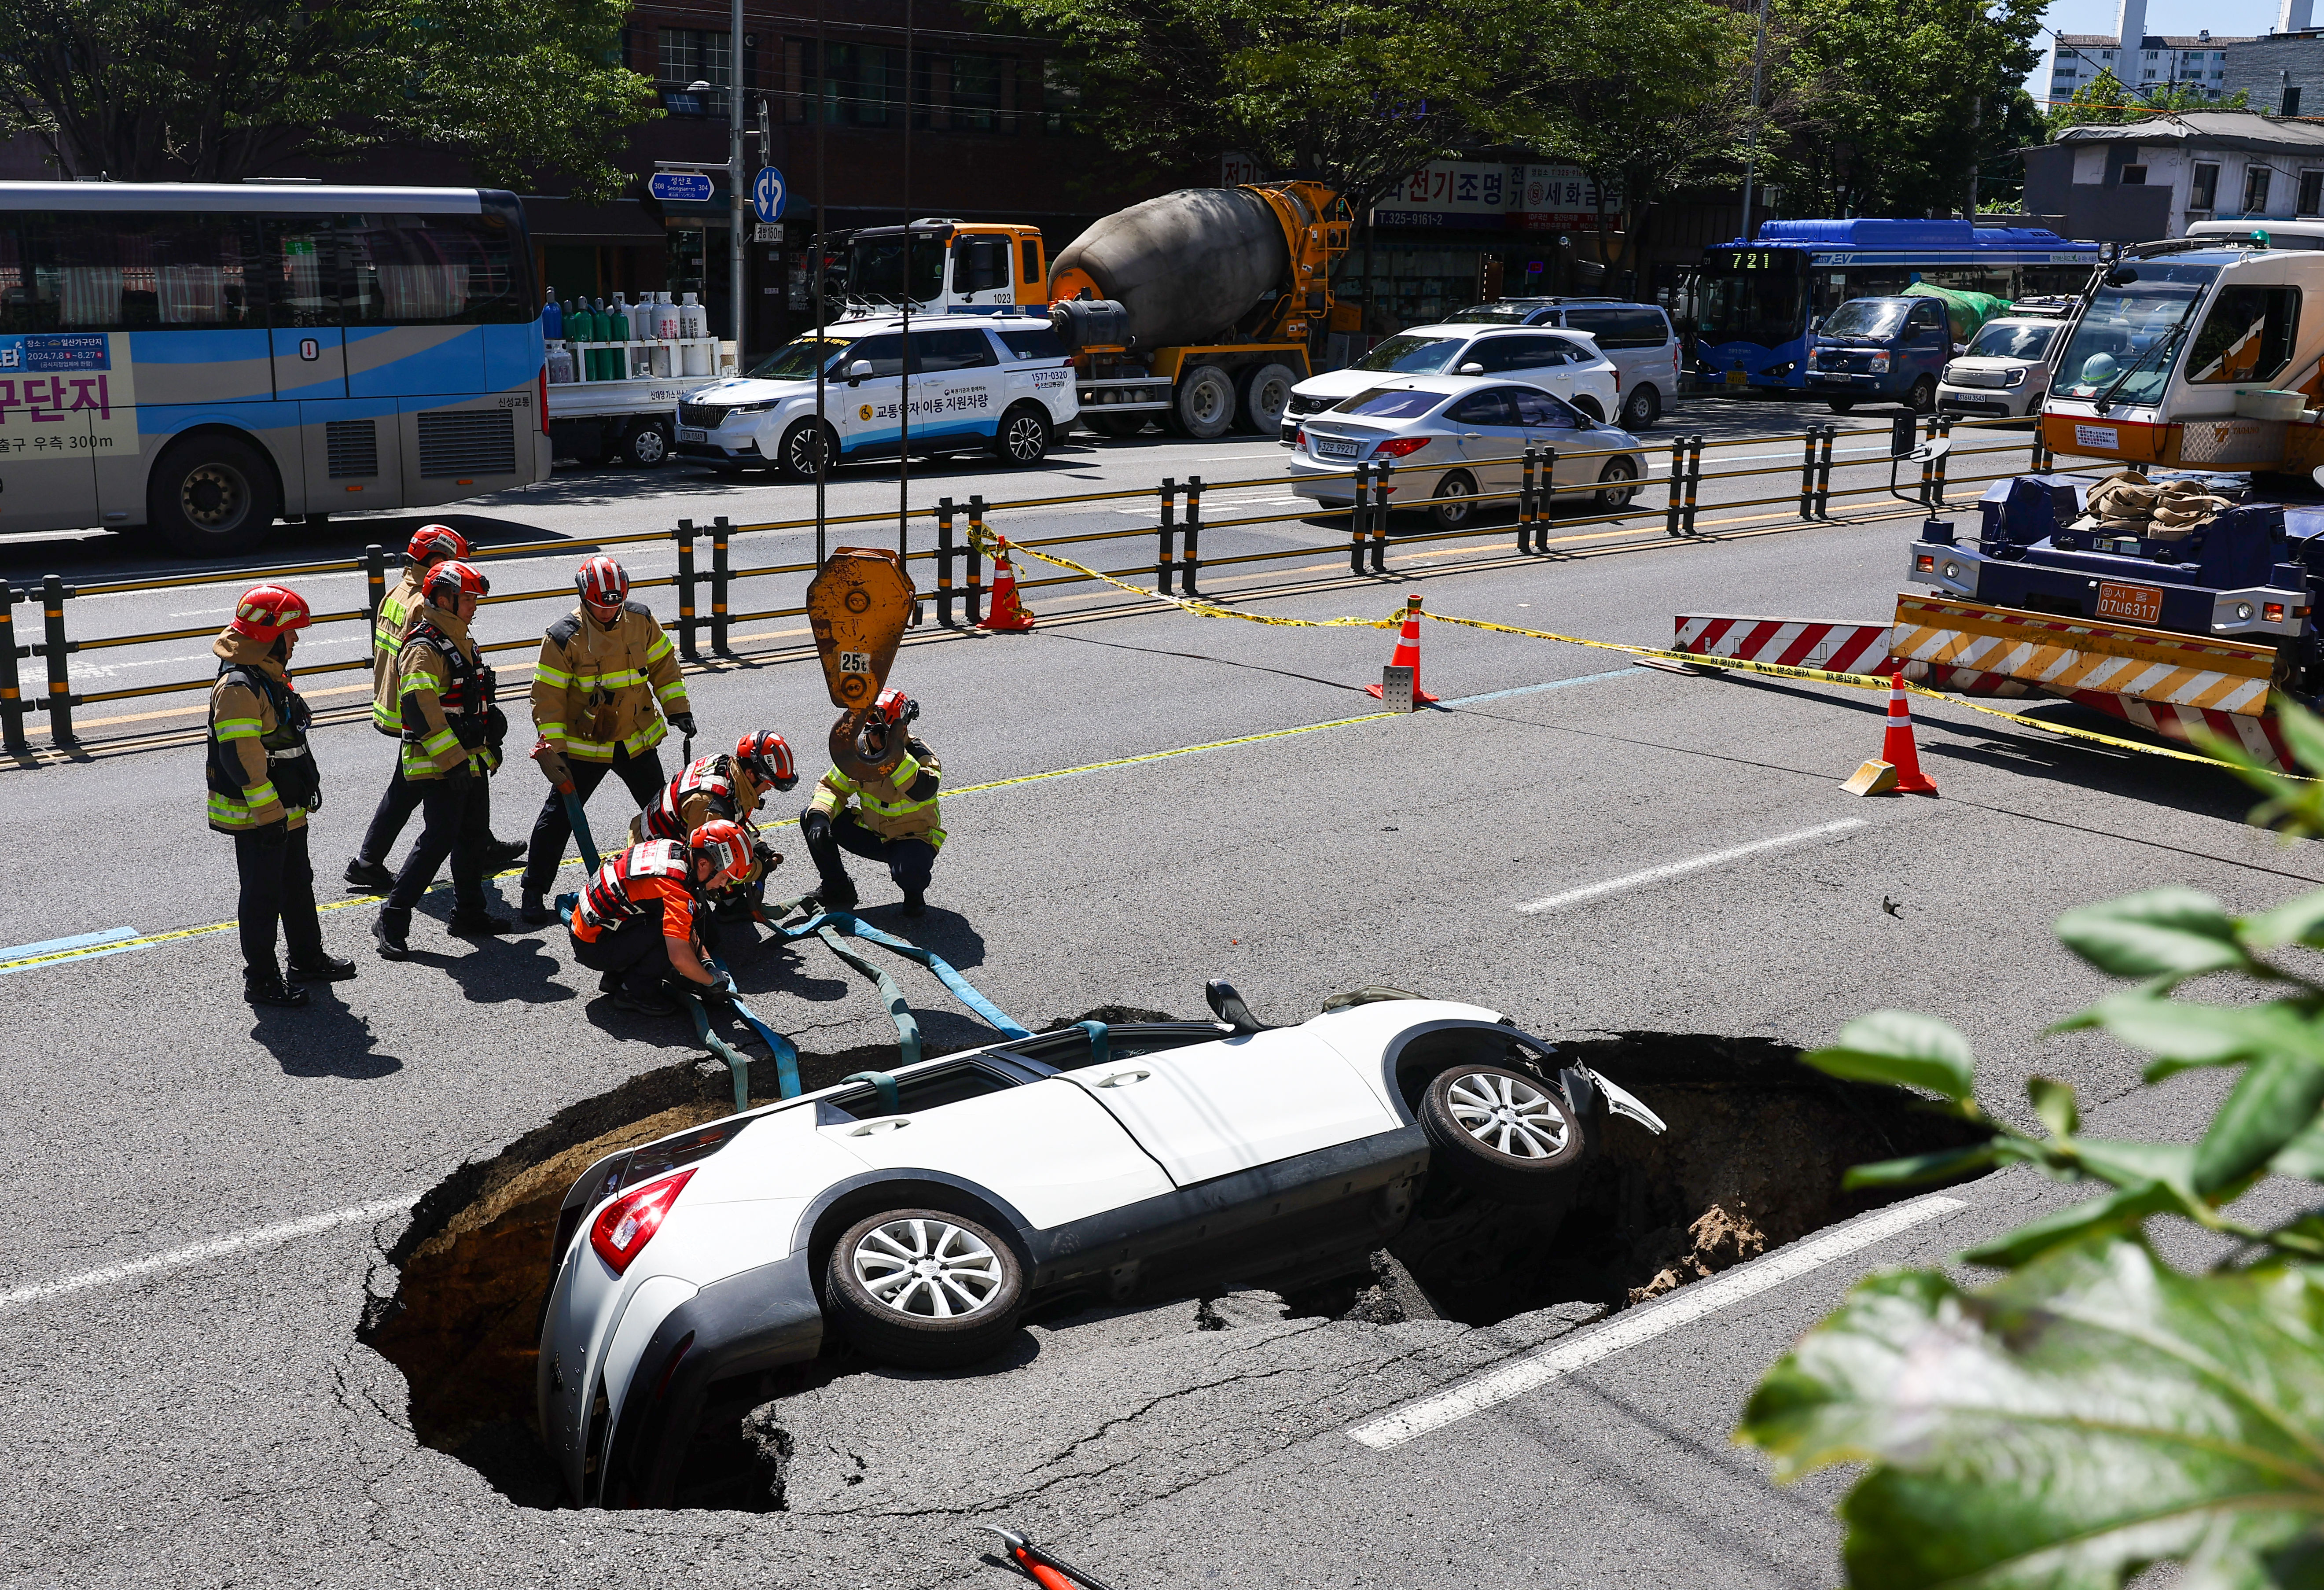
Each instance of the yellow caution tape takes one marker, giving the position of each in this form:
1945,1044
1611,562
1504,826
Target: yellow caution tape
982,540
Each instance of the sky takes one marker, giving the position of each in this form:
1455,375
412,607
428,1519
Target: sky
2233,17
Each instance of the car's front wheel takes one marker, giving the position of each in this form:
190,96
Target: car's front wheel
1616,485
923,1289
1501,1133
1840,405
1923,398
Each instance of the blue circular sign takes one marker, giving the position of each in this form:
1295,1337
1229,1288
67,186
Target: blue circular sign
767,194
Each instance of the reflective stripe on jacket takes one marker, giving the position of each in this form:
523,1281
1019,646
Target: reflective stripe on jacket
657,876
899,805
444,696
235,772
599,687
386,644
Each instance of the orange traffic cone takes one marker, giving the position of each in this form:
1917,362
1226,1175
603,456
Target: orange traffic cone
1408,651
1007,614
1898,770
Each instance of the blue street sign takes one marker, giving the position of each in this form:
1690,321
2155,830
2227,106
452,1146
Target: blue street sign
680,187
767,194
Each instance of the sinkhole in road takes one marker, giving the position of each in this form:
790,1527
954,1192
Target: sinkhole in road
1754,1158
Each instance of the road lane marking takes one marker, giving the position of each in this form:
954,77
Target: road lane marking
216,1247
1587,679
18,958
1687,1305
1693,865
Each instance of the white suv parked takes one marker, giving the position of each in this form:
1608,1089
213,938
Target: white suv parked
1566,363
998,383
1637,336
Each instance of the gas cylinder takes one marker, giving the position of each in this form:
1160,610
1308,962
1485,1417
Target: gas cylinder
552,319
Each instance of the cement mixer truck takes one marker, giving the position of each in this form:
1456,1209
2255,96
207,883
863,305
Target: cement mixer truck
1196,308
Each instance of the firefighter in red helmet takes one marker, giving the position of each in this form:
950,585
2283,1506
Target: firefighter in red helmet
732,785
638,922
262,783
606,682
892,817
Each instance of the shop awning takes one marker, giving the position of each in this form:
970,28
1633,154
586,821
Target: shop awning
568,221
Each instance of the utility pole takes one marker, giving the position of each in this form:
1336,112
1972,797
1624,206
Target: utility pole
734,254
1975,120
904,412
1751,149
815,281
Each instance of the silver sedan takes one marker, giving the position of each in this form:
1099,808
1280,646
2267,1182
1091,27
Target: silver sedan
1451,439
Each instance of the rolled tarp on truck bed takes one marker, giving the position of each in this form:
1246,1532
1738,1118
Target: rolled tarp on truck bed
1966,310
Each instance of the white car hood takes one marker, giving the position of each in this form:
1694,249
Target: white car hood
743,390
1345,384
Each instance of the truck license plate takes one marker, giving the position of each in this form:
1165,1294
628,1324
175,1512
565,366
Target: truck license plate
1334,449
2130,603
687,433
1738,378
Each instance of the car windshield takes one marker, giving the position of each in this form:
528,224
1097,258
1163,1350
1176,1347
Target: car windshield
1408,355
1494,314
1390,402
2001,340
796,361
1880,318
2131,332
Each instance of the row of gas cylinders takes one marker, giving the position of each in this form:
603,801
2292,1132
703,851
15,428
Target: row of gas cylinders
677,336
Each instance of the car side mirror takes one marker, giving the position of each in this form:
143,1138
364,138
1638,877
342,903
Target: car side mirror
1472,369
857,371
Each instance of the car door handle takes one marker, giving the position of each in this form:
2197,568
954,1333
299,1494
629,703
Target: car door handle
885,1124
1471,436
1124,1078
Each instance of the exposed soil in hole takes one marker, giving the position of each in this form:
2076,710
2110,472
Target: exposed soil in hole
1756,1147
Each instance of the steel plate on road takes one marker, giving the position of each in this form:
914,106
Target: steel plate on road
2129,604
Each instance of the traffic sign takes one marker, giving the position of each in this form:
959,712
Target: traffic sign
767,194
680,187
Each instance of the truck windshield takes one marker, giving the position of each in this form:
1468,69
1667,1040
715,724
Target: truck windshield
796,361
875,270
1409,355
1878,318
2130,332
2005,339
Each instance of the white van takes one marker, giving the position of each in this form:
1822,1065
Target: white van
998,383
1637,336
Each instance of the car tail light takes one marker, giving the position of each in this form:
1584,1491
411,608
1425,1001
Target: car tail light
2272,611
1397,446
1923,563
1299,436
624,1226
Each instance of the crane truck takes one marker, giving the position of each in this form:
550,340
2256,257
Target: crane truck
1198,308
2196,359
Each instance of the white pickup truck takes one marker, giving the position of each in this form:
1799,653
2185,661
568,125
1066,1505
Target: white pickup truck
627,418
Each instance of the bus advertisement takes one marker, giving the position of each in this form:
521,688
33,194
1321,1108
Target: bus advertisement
1757,301
203,360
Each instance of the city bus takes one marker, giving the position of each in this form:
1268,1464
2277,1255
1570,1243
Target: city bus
205,359
1756,301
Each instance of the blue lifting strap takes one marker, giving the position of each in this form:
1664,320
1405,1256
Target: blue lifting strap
1101,1042
889,1100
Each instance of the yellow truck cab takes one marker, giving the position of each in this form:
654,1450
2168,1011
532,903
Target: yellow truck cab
954,265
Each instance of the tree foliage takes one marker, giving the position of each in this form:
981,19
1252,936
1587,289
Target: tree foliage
141,91
2106,101
2097,1410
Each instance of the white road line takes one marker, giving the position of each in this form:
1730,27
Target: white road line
176,1258
1694,865
1683,1306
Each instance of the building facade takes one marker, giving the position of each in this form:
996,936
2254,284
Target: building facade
2151,180
2145,61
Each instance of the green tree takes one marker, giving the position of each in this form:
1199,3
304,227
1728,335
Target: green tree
2105,101
1880,106
2097,1410
144,90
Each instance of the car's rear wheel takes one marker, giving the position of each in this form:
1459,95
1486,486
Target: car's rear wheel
1589,406
1204,404
1616,485
1642,408
923,1289
1501,1133
212,495
647,445
1454,504
1023,438
1261,395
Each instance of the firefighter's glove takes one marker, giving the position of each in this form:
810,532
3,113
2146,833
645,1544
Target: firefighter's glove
815,826
683,722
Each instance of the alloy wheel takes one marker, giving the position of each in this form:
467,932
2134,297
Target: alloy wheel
930,1268
1507,1116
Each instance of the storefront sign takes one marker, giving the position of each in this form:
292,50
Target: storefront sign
1561,199
1449,193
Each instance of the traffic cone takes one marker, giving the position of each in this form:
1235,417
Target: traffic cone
1007,614
1408,652
1898,770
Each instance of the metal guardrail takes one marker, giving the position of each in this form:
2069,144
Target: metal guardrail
1178,561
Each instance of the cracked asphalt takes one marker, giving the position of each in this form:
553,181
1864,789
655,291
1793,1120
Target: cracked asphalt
215,1422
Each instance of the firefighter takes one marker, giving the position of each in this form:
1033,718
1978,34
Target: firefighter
429,545
894,818
452,735
638,922
262,783
606,682
732,785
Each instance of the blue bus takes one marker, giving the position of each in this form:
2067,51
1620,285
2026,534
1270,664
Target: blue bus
204,360
1756,301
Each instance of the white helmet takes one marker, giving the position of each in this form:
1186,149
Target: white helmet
2100,369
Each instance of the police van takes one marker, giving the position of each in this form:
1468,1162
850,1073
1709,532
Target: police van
997,383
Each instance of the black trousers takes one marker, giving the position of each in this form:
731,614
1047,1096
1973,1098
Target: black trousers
456,817
636,949
552,828
911,863
397,802
278,885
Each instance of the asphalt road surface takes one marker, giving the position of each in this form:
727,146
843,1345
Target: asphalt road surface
200,1199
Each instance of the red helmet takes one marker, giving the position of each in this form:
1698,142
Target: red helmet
265,611
896,709
431,543
767,755
604,584
455,579
726,845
